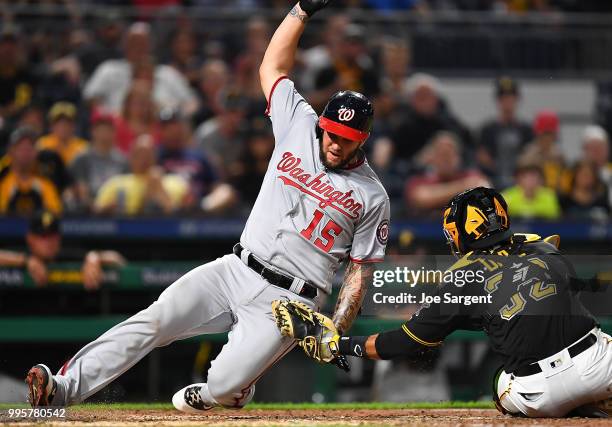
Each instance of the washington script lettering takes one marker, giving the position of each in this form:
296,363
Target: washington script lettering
317,187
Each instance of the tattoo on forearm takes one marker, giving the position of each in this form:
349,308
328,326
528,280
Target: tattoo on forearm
299,14
351,295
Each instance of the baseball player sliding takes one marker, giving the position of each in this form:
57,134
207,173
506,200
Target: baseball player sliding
320,203
557,361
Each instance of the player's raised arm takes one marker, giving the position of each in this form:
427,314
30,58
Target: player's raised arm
280,54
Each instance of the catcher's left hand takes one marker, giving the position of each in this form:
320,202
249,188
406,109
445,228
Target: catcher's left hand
313,331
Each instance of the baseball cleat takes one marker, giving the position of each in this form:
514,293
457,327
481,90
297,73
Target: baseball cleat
41,386
189,399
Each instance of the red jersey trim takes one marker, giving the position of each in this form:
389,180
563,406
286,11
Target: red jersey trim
64,367
365,261
356,165
342,130
272,92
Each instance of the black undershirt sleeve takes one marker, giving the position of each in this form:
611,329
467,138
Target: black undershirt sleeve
397,344
394,344
352,346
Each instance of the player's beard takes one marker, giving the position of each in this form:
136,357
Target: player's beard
351,157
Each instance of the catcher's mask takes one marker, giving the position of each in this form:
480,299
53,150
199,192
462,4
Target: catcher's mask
476,219
348,114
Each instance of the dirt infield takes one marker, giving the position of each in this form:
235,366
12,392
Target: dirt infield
266,417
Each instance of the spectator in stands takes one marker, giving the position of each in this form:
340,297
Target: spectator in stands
214,78
504,137
247,64
22,190
393,83
396,64
425,115
145,190
98,163
596,149
138,116
588,195
392,172
530,198
352,68
104,44
61,77
49,163
176,157
446,176
62,138
545,150
321,55
253,163
184,56
44,245
110,83
17,82
51,166
32,116
220,138
111,80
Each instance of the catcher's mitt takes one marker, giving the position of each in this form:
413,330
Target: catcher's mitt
313,331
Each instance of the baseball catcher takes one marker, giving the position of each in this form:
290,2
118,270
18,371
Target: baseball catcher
557,361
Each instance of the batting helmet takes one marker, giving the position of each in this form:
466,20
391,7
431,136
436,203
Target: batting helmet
348,114
476,219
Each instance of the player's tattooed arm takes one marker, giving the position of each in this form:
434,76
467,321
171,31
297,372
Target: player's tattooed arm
280,54
298,13
351,294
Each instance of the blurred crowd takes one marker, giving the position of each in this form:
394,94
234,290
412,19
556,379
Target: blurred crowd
128,119
503,6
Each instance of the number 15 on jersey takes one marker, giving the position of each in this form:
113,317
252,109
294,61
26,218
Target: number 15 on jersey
328,233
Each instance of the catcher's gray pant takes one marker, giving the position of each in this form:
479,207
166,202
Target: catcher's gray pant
564,384
223,295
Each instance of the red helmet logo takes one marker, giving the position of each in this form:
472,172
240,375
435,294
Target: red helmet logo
346,114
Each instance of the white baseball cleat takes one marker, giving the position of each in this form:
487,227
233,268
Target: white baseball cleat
189,399
41,386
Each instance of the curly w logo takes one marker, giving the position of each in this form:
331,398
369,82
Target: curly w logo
346,114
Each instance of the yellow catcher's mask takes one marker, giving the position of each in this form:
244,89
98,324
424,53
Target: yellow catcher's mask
476,219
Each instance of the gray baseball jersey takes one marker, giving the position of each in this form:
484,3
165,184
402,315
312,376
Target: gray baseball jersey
306,219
